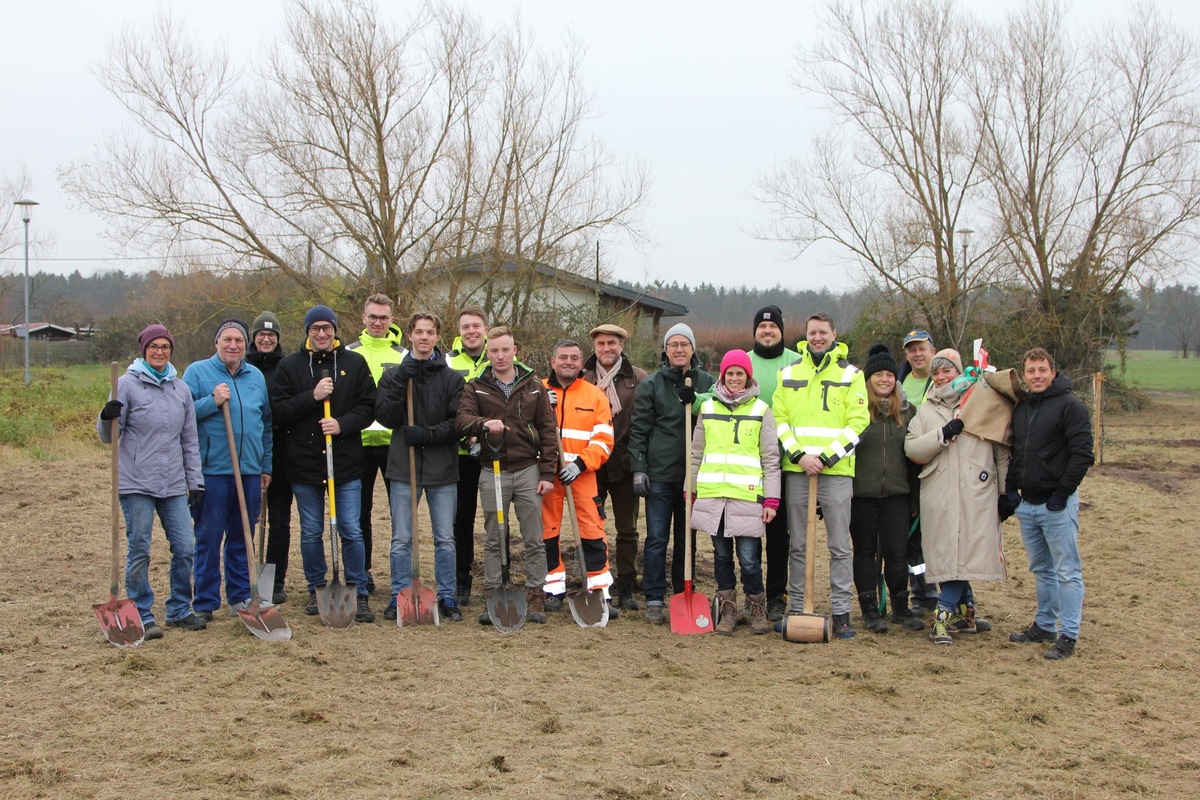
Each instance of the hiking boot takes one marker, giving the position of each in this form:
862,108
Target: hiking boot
364,613
841,627
390,611
278,597
1032,634
448,609
234,608
370,583
777,608
759,623
614,611
868,602
485,618
965,621
625,595
553,602
907,619
205,616
725,611
535,599
654,613
311,609
151,631
189,623
1064,647
939,632
463,593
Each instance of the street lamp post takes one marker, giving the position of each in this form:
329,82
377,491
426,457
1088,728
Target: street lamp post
965,233
26,211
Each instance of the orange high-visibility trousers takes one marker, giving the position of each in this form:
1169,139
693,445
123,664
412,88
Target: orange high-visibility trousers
591,531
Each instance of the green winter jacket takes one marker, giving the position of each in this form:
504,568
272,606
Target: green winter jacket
881,469
380,353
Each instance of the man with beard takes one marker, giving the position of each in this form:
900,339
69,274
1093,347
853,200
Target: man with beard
614,375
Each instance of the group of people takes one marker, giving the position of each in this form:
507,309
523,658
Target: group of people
912,502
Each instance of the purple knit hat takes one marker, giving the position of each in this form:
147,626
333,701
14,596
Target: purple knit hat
151,333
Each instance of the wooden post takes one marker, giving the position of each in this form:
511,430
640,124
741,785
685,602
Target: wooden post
1098,379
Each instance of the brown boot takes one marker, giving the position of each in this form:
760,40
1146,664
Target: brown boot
535,599
758,614
727,613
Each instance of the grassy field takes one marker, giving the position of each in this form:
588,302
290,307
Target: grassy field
1158,370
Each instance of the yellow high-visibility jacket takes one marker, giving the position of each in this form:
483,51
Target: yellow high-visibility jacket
821,409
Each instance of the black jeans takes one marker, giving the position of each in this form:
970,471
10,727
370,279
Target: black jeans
375,460
279,525
464,518
879,527
779,543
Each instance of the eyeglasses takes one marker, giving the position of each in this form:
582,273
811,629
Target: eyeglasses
678,345
159,348
320,329
267,334
378,317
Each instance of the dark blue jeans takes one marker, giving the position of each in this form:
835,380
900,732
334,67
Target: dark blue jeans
664,515
749,553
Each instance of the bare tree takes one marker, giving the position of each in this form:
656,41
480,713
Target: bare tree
364,148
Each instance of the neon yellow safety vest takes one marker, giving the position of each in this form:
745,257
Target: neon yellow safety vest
821,409
731,467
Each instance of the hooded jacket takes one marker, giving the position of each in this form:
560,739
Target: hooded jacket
159,454
821,410
881,469
268,364
657,443
529,439
380,352
437,392
626,383
249,411
298,415
1052,443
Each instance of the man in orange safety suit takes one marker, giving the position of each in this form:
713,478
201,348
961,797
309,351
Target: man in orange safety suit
584,421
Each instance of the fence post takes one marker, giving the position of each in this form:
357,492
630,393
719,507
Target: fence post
1098,379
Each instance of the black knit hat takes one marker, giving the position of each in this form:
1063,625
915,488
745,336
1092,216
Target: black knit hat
879,358
769,314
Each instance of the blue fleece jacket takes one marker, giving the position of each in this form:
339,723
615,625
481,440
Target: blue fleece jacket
249,410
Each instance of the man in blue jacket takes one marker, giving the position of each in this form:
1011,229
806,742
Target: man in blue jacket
228,378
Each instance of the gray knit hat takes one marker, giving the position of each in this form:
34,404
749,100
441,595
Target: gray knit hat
266,321
680,329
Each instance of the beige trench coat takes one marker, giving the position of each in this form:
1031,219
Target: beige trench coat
961,482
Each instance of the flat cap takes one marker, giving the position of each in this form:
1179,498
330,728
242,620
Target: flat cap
608,327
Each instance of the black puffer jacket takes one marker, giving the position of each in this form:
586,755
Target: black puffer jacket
298,415
437,391
1052,443
268,365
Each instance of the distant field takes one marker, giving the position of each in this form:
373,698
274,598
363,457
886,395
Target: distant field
1159,370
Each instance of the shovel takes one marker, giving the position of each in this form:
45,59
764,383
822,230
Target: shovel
416,605
506,604
119,620
809,627
264,621
266,572
337,604
588,606
690,610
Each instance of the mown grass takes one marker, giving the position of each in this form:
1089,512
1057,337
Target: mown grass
57,403
1158,371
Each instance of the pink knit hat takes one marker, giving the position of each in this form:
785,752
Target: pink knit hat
737,358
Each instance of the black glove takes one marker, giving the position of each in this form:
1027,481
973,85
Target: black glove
1005,507
951,429
1056,502
416,435
111,410
407,368
687,395
1014,498
195,499
796,456
641,484
569,473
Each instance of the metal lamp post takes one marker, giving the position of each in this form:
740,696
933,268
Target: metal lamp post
965,233
26,212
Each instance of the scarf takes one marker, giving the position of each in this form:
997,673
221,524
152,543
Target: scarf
605,379
774,351
156,374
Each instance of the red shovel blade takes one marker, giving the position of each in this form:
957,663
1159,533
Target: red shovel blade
416,605
120,622
690,612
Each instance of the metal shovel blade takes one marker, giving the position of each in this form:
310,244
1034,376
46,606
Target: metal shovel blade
337,604
266,583
589,609
416,605
120,622
507,607
265,622
690,612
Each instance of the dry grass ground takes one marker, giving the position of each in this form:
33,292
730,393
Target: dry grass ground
629,711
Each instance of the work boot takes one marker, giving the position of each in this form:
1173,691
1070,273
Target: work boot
654,613
777,608
939,632
279,596
485,618
389,613
903,615
364,613
535,599
965,621
207,616
613,611
553,602
869,604
311,609
726,611
463,593
189,623
759,622
841,627
151,631
448,609
1064,647
1033,633
625,594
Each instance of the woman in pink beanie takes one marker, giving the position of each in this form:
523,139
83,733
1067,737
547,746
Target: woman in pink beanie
736,475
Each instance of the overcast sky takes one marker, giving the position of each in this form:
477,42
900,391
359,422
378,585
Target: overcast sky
699,91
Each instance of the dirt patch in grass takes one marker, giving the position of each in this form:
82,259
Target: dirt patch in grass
627,711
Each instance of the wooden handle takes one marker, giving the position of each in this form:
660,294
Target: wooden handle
114,434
